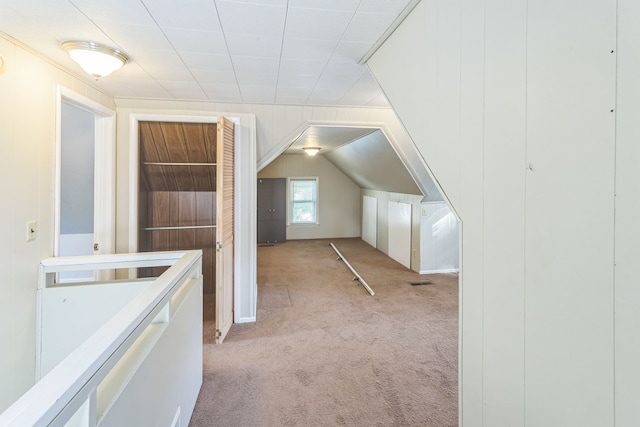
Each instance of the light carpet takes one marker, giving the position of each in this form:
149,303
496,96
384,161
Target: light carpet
325,353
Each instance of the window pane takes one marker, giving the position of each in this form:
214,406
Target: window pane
304,190
303,200
304,212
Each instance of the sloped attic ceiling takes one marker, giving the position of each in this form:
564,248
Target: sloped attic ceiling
363,154
371,162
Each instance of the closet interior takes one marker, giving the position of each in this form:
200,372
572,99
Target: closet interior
177,193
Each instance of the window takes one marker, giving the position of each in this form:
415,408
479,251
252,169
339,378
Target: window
303,198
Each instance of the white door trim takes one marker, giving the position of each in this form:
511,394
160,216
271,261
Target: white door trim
105,183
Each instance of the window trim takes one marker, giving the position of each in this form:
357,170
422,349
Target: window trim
290,221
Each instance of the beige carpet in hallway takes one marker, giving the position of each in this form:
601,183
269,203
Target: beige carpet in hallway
325,353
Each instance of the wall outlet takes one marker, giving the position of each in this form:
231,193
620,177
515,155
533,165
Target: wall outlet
32,230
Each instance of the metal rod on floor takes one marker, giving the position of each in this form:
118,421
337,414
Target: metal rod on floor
353,270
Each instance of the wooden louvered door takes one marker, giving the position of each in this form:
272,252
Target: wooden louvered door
224,228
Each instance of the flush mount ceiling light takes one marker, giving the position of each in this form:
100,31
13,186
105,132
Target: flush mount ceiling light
312,151
95,59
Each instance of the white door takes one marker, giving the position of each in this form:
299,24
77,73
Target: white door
224,227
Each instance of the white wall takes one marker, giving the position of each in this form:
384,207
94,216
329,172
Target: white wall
370,220
513,105
77,171
627,212
382,231
338,196
439,239
27,144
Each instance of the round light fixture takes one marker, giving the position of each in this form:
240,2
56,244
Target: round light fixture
312,151
95,59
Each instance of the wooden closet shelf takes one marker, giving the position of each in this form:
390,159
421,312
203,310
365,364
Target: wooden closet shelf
185,227
177,164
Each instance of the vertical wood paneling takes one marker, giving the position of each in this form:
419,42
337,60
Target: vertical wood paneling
627,232
205,208
565,235
471,210
447,110
400,232
504,211
174,142
569,211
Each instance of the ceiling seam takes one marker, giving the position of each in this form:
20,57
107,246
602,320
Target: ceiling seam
284,30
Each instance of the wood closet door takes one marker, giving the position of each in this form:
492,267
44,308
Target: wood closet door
224,228
272,210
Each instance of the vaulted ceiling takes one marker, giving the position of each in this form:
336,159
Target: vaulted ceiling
302,52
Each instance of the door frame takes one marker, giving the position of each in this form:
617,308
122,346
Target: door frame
245,285
104,170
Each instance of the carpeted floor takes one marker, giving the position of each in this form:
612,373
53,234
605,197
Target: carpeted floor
325,353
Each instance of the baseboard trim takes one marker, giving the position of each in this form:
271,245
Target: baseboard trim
446,270
246,319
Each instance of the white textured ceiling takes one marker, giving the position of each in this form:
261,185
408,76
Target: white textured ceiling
252,51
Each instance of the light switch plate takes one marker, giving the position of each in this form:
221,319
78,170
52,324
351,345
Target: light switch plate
32,230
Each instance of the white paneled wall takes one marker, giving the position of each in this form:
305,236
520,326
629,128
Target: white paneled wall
370,220
571,149
504,210
382,228
439,239
27,141
513,106
627,230
400,232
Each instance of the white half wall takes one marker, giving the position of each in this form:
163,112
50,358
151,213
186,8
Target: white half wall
513,105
